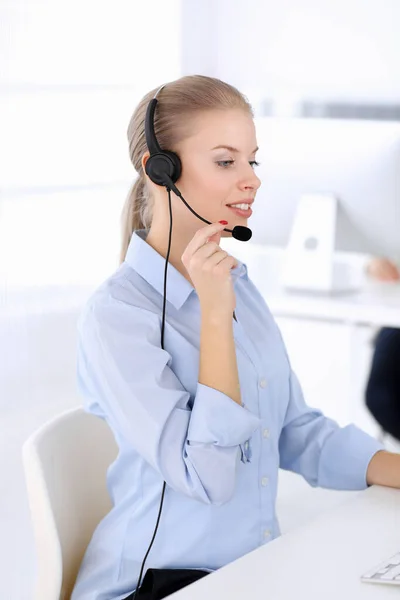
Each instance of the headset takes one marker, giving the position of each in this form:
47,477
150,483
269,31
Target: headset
164,168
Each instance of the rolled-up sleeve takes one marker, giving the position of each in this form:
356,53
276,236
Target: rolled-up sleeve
127,377
317,448
209,425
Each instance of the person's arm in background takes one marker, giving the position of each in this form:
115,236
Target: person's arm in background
383,269
382,390
330,456
384,467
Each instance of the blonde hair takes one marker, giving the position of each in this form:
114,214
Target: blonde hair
178,102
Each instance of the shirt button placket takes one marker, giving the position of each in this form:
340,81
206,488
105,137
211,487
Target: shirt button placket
266,533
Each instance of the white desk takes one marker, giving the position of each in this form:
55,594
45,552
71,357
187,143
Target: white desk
321,560
376,305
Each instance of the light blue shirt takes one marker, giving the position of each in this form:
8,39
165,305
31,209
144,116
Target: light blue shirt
220,459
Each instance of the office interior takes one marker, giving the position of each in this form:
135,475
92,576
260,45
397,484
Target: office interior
324,82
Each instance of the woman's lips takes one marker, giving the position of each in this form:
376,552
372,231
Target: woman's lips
240,212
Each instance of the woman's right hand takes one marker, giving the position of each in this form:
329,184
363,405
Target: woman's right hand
209,268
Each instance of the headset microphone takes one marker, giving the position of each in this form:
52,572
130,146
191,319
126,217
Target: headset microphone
239,232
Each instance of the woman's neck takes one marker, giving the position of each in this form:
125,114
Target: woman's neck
158,239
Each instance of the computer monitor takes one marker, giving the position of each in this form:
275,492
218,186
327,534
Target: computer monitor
357,161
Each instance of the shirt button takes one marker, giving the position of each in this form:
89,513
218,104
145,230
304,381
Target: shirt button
263,383
264,481
246,445
266,433
267,533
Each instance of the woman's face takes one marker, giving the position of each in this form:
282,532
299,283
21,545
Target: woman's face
218,162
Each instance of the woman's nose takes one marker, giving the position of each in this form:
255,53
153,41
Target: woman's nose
250,181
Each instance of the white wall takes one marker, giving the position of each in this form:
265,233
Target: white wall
320,49
71,74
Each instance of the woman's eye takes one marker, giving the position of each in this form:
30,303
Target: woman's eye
228,163
225,163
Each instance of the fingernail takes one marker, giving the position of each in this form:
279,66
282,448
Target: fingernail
223,222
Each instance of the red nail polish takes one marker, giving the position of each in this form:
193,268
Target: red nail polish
223,222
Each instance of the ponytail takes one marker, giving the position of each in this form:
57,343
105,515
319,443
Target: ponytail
136,213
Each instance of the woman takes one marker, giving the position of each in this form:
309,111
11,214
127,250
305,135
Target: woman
219,410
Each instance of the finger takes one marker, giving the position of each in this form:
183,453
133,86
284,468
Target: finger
216,237
226,264
214,259
207,250
203,254
201,236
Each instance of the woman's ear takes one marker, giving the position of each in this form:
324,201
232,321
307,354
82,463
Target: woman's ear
145,158
152,188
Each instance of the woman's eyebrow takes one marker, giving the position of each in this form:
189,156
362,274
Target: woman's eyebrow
231,149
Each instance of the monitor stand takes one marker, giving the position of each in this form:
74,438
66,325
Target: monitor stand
310,264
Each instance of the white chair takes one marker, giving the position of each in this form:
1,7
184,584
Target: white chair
65,464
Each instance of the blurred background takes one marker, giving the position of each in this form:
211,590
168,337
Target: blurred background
324,80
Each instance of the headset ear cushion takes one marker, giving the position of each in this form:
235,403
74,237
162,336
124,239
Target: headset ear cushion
163,164
177,165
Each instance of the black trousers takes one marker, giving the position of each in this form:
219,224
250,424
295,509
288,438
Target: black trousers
382,394
160,583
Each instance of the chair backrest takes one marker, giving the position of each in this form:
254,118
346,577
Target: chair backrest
65,464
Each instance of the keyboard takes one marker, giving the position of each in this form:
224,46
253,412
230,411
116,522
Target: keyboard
387,572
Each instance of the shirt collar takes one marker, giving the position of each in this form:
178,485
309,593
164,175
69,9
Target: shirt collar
150,265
